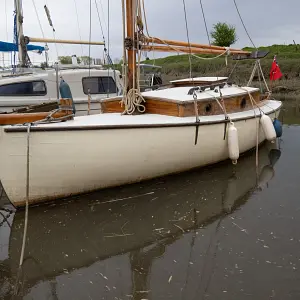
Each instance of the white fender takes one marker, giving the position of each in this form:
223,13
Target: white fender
268,128
233,143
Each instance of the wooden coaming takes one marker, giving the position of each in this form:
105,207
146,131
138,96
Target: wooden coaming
21,118
187,109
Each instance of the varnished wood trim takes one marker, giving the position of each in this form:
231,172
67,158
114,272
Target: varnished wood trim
20,118
131,126
176,108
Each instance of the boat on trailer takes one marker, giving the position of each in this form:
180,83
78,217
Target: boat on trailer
139,135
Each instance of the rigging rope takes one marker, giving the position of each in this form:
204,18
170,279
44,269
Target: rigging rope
103,14
90,36
146,27
145,19
223,108
257,65
205,23
237,9
100,21
232,70
226,51
37,15
264,79
188,38
178,50
75,4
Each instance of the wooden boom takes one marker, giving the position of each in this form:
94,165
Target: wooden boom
189,50
53,41
185,44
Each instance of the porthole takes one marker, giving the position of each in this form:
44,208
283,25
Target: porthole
208,108
243,103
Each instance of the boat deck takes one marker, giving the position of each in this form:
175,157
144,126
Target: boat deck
117,120
180,102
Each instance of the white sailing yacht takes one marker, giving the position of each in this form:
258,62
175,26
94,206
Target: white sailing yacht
34,88
139,135
29,87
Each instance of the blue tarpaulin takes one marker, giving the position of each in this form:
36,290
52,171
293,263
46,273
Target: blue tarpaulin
11,47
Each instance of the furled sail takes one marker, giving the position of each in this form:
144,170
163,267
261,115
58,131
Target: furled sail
12,47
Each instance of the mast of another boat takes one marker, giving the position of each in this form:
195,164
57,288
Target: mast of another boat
22,53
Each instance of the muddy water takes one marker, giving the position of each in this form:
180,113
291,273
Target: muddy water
224,232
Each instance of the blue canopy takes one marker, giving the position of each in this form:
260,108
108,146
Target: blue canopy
11,47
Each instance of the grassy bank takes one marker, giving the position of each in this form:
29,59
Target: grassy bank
288,57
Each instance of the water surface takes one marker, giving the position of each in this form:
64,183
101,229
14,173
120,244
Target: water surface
223,232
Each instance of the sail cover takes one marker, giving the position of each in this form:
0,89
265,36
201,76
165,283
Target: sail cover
11,47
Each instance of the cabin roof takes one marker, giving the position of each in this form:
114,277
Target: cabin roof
51,73
180,94
204,79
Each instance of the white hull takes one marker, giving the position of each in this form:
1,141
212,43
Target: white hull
225,194
76,157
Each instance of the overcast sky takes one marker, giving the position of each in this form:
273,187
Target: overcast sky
268,22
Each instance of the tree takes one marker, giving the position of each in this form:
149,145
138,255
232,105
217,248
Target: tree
67,60
223,34
86,60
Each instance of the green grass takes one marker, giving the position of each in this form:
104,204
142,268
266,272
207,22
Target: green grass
282,51
177,66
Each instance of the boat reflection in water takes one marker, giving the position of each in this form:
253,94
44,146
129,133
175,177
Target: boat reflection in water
132,242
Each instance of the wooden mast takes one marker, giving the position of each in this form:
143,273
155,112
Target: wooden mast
155,44
131,51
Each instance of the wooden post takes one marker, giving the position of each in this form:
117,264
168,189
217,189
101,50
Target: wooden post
130,35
